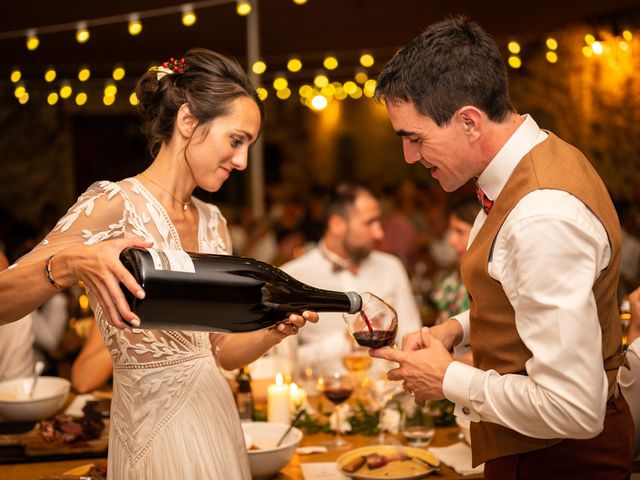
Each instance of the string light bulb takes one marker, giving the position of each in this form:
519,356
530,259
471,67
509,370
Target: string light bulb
283,93
513,47
515,62
16,75
330,63
320,80
82,33
294,64
597,48
552,57
299,2
135,25
81,98
83,74
589,39
361,76
366,60
24,98
319,102
280,82
52,98
32,40
118,73
65,91
258,67
243,8
263,93
552,43
627,35
19,91
50,75
133,99
188,15
108,100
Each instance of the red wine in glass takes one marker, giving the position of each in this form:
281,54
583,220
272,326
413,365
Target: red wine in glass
337,395
376,338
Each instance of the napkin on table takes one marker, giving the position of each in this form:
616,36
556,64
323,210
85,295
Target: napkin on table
321,471
458,457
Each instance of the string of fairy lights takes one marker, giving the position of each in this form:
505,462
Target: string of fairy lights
322,84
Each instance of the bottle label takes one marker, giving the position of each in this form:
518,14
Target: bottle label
174,260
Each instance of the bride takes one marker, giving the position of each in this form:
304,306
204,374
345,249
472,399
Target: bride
173,415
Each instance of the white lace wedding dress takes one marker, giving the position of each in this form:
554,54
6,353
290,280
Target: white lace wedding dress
173,415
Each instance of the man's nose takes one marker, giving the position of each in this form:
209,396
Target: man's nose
411,152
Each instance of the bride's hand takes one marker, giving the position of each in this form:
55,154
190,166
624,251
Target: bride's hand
295,322
99,267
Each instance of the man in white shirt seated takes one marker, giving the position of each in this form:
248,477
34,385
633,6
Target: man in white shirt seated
345,259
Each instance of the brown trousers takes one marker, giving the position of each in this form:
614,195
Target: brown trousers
605,457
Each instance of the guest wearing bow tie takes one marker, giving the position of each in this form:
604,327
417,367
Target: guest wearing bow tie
346,259
541,268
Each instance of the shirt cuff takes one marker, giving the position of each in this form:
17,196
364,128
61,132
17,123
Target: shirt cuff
456,387
463,320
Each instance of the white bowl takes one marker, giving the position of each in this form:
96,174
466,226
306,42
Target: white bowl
269,459
465,428
49,396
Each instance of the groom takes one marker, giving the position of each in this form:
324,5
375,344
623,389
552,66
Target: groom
542,270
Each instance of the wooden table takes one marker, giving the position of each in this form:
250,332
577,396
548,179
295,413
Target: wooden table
444,436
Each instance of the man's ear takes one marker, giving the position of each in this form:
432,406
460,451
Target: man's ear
470,118
186,122
336,225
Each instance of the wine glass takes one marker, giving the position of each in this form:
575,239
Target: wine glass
375,325
337,387
417,425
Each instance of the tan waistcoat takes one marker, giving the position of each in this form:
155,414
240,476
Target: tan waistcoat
552,164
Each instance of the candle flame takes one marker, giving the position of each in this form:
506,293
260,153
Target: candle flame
278,379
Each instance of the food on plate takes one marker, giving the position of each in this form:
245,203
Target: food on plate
386,462
253,447
354,464
68,429
98,472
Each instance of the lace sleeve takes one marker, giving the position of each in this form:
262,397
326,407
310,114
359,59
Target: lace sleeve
99,214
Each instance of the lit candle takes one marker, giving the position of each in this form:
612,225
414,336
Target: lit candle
278,401
298,397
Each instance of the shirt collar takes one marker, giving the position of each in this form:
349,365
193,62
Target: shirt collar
495,176
336,260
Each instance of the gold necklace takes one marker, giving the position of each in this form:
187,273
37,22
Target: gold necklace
185,205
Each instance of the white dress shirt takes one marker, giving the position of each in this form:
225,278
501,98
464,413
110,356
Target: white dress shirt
547,256
629,381
380,273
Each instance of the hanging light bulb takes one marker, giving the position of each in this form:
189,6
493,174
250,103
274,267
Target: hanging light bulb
110,90
283,93
24,98
551,56
514,61
188,15
262,93
299,2
135,25
280,82
320,80
361,76
514,47
597,48
319,102
259,67
19,91
65,91
50,75
108,100
81,98
82,34
118,73
133,99
366,60
16,75
243,7
294,64
32,40
84,74
52,98
330,63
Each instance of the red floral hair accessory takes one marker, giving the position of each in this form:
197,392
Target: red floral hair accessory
170,67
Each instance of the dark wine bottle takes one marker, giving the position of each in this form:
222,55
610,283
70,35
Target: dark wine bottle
244,395
220,293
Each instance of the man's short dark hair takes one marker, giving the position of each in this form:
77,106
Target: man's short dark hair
340,200
453,63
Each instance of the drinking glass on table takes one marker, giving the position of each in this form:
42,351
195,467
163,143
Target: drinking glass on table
375,325
417,425
337,386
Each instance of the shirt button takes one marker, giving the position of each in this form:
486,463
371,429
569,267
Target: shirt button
466,410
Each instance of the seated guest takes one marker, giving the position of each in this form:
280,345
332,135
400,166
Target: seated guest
346,259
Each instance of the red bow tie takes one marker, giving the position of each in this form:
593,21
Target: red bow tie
484,200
